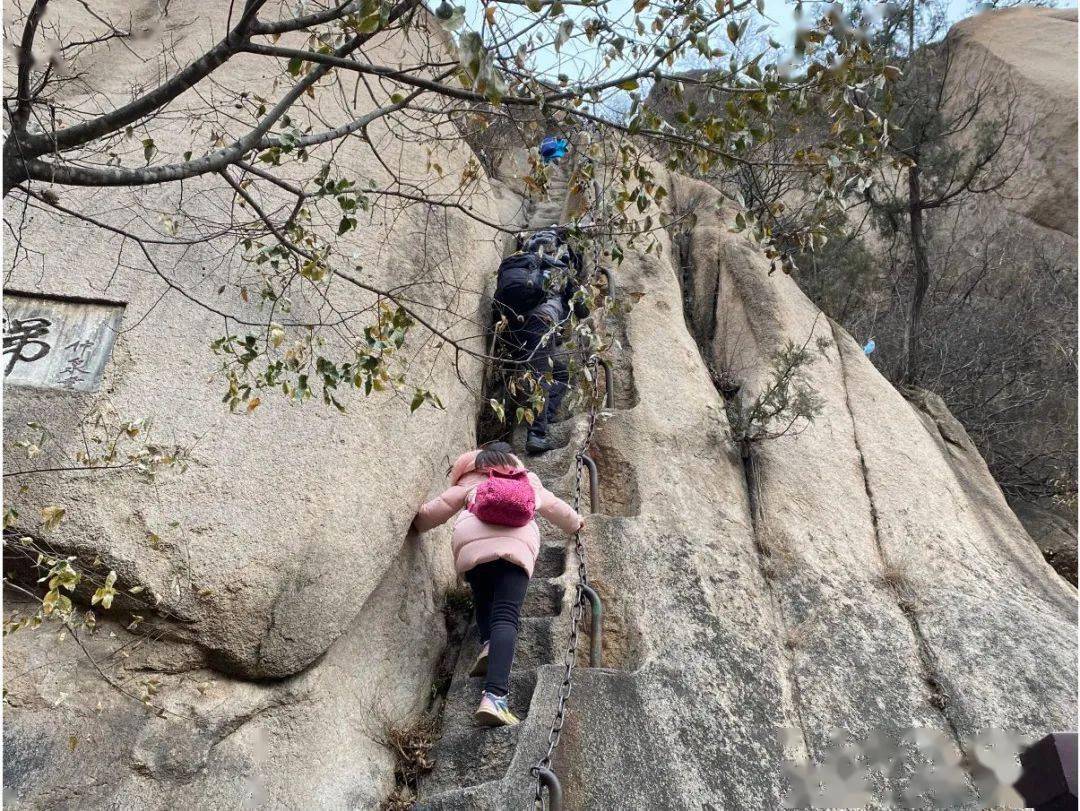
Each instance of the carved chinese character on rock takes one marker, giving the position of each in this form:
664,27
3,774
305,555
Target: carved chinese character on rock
77,369
22,341
56,342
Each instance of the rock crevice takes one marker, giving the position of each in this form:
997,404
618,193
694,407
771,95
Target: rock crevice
893,579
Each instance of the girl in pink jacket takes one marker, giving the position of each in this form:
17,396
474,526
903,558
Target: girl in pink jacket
497,562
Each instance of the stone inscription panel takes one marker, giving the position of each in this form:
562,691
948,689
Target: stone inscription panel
58,343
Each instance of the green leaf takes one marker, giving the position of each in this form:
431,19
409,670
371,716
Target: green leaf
105,594
48,603
369,24
63,576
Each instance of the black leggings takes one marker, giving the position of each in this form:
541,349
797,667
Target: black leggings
498,588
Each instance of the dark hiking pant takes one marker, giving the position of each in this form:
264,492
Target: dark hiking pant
536,345
498,588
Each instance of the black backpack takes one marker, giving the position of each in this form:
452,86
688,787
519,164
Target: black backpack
522,282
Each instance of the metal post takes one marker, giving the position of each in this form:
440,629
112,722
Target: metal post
548,778
607,274
594,482
596,650
609,391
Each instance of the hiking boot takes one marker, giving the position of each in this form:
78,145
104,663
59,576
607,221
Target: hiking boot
536,444
479,667
494,712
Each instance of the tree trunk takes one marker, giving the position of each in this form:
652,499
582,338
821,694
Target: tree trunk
922,277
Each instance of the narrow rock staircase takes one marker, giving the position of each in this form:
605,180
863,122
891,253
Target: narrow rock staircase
468,756
471,761
489,768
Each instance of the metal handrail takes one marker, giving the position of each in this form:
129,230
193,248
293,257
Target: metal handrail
594,482
609,388
550,780
596,646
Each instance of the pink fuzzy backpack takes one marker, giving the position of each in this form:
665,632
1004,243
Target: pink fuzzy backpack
506,499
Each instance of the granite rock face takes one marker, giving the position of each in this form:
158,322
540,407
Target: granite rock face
313,740
926,505
1025,62
837,587
1029,54
864,574
288,506
287,611
1055,533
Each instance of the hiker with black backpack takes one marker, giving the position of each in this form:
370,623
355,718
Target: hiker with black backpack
496,542
536,292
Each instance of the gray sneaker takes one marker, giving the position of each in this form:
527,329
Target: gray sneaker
494,712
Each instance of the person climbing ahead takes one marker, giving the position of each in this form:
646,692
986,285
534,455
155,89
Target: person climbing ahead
495,544
536,291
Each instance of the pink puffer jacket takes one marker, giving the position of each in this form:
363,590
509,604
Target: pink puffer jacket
476,542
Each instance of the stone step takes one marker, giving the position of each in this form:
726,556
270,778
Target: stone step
483,797
551,562
535,646
543,599
464,697
513,789
554,465
561,431
467,756
536,643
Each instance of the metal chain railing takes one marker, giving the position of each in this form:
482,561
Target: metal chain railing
542,770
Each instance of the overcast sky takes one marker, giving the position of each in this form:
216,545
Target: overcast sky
578,59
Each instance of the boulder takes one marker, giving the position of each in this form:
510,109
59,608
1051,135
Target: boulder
1029,56
859,578
287,509
281,610
78,735
1053,529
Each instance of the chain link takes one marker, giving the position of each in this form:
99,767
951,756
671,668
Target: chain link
578,608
